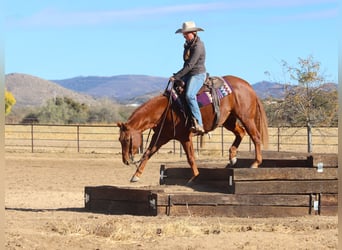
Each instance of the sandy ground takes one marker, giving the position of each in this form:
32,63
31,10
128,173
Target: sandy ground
45,210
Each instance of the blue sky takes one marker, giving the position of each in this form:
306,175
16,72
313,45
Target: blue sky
63,39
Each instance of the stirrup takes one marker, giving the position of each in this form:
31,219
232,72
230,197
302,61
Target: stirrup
196,128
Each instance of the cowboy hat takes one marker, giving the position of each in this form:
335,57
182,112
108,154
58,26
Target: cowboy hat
189,26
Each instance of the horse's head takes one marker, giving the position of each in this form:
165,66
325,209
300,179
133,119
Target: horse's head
130,140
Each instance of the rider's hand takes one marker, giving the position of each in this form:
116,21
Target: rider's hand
171,79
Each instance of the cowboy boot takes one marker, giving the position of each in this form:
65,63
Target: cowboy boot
196,128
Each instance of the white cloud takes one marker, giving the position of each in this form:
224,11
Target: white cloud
57,18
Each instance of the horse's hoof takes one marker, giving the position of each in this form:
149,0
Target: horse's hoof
231,162
135,178
191,182
254,165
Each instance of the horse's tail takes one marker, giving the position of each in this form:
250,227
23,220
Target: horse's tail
261,123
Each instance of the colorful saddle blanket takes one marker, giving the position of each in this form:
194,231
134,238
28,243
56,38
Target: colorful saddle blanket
212,91
217,84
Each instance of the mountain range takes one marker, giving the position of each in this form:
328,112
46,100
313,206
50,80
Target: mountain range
120,88
33,91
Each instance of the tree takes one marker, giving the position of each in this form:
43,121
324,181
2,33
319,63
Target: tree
9,102
63,110
305,103
105,112
31,118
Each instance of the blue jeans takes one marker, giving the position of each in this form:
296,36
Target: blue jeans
193,85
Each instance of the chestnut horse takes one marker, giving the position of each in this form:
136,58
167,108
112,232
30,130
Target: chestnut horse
167,123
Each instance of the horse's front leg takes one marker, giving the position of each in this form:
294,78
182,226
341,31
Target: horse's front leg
140,169
190,154
152,148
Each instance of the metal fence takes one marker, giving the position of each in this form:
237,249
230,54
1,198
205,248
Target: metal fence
104,139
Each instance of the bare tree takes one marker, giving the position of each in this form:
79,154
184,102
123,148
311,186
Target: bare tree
301,105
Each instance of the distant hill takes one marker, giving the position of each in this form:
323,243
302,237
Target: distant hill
266,89
31,91
120,88
125,89
139,88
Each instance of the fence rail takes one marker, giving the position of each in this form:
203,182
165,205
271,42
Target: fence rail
104,139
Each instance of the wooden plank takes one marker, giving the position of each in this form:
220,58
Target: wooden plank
211,179
246,163
117,193
116,200
205,173
284,187
234,211
175,181
224,177
221,165
283,163
284,174
328,160
232,199
329,199
305,160
200,185
121,207
329,210
327,204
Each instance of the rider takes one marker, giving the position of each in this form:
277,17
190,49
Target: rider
193,72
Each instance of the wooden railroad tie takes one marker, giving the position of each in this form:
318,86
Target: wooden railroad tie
293,188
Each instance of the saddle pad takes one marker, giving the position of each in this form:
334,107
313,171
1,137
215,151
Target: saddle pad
205,98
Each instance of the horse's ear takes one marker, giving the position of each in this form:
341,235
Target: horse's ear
121,125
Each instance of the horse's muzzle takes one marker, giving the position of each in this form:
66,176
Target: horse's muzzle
125,160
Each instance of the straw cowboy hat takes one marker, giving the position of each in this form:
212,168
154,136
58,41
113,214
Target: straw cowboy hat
189,26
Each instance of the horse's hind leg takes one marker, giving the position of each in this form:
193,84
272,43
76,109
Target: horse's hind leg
239,132
256,138
190,154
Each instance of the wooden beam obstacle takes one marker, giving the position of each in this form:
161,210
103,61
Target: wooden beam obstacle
279,188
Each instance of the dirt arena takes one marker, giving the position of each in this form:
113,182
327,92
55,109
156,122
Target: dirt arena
45,210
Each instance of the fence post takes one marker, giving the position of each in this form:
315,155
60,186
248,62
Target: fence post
78,138
180,150
309,137
222,144
31,137
278,140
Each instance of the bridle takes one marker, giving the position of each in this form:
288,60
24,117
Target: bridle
149,133
130,150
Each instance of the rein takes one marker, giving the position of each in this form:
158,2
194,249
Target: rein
160,129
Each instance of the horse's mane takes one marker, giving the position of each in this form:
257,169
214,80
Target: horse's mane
147,106
149,111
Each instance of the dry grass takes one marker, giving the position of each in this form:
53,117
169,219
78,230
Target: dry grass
121,229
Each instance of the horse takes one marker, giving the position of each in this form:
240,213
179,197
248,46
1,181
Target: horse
167,123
